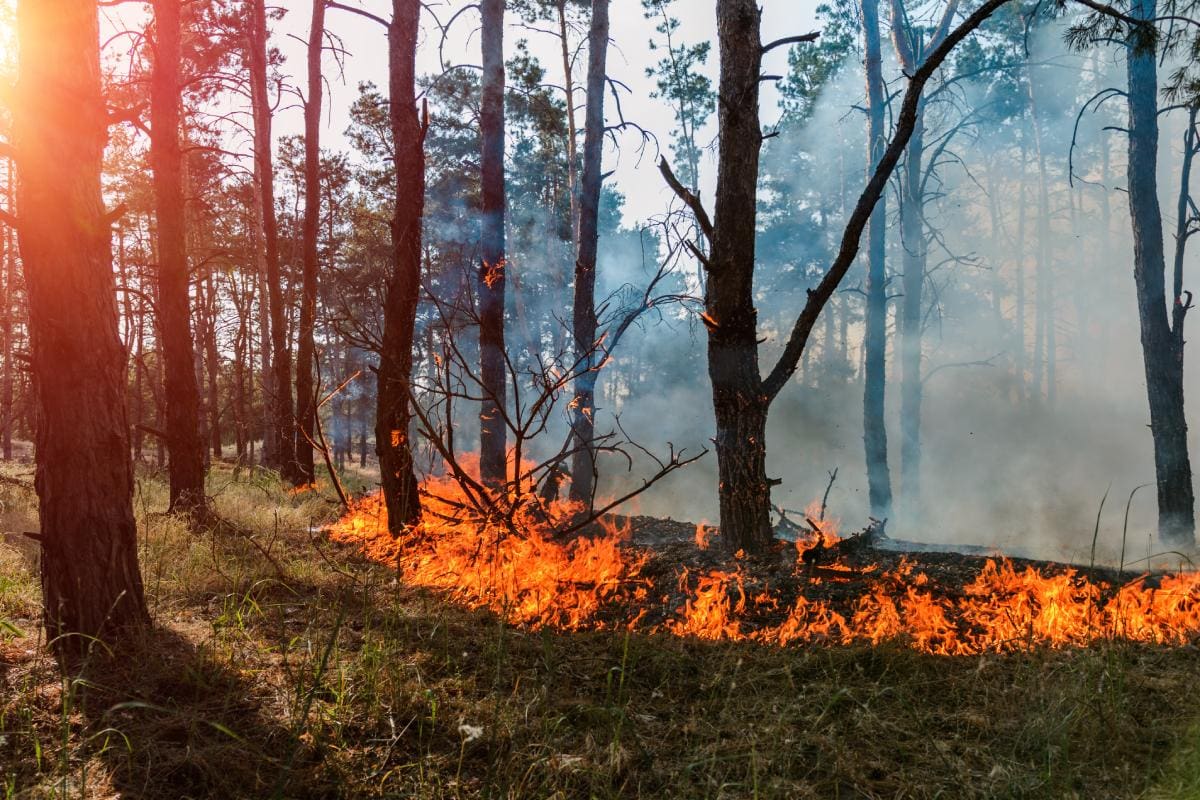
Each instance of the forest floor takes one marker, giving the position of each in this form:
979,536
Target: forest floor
284,666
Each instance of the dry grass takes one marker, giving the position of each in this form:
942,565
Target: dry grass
284,667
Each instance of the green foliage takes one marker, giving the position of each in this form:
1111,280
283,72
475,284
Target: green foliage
683,85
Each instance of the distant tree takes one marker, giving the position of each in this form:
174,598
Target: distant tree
682,83
186,468
281,432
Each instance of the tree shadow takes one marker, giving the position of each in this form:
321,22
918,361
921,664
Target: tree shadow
169,718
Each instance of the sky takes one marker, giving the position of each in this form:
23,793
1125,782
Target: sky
636,174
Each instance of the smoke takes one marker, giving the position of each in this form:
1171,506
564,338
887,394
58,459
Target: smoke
1009,459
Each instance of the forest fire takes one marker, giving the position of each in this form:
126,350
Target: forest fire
527,575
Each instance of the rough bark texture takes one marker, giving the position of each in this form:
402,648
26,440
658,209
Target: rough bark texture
583,464
306,401
1162,348
739,401
493,375
392,418
90,580
282,418
184,444
879,482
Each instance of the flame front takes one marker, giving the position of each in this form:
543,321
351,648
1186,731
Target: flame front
522,572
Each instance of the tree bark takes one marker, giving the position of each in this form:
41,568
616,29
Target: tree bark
92,588
739,402
584,323
181,390
279,394
493,434
1162,347
306,399
393,415
879,482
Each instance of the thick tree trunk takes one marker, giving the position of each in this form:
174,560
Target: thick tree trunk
306,391
879,482
393,415
583,463
739,401
493,433
182,393
279,394
1162,348
91,585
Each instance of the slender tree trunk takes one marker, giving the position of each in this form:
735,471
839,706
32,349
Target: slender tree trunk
1020,358
182,393
1043,315
6,322
1162,347
282,421
91,585
212,368
569,96
912,239
879,482
493,433
306,391
392,412
583,464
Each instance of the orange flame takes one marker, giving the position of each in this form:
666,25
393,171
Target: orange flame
522,572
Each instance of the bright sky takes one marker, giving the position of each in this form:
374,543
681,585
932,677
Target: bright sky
628,58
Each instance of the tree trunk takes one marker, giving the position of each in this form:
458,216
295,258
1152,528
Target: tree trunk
911,48
91,585
393,416
912,239
6,321
879,480
739,401
583,463
493,373
212,367
306,391
282,421
1162,348
181,391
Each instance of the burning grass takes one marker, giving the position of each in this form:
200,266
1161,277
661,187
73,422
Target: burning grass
299,669
825,592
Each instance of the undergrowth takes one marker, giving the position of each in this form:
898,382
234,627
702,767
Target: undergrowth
282,666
